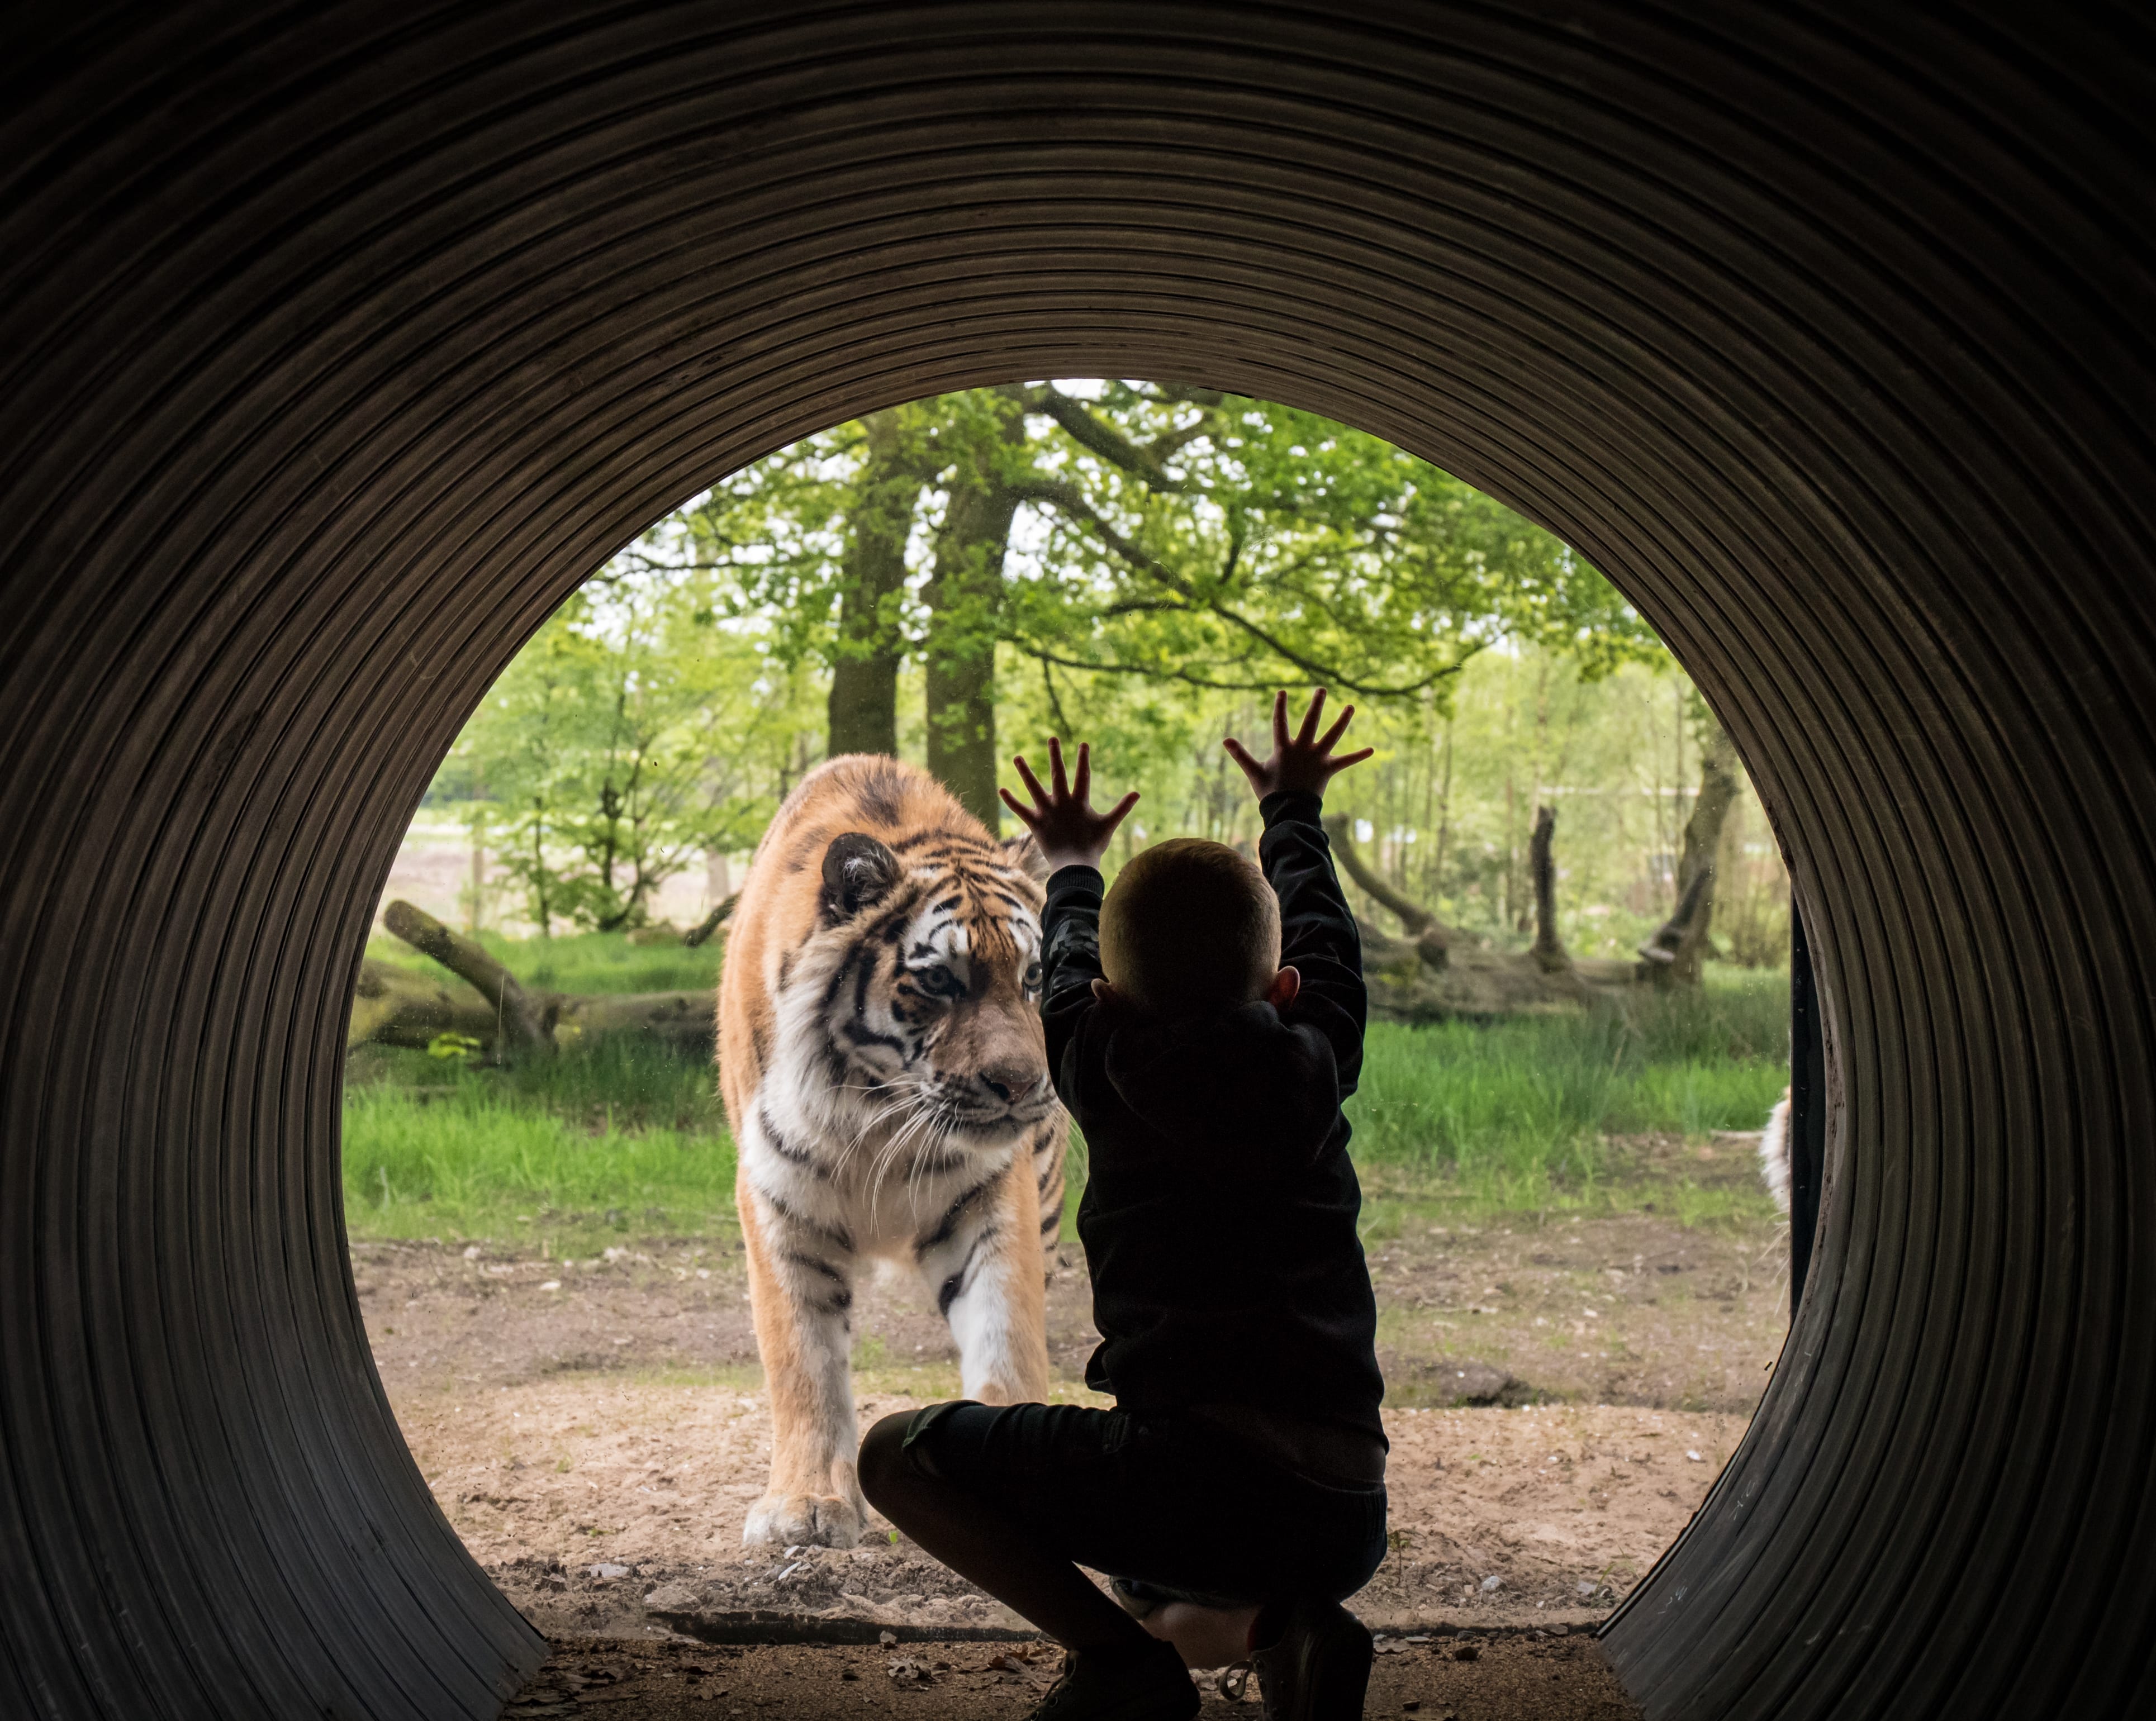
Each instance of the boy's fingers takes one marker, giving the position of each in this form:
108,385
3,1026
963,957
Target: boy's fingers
1055,772
1027,816
1031,781
1348,759
1279,721
1339,728
1114,815
1302,736
1083,781
1235,751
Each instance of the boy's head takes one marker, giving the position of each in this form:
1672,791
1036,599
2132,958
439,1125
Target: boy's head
1190,925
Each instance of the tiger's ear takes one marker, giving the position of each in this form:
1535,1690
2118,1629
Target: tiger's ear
858,870
1024,853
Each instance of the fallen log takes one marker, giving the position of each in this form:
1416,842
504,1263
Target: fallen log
1432,939
522,1021
487,1007
681,1022
1439,973
401,1006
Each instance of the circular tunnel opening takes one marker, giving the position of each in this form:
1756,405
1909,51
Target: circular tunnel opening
1561,1094
343,346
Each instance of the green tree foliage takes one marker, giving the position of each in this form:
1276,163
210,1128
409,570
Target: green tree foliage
635,733
1138,563
1136,532
1230,543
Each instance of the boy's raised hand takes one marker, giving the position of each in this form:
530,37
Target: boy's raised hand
1070,833
1304,761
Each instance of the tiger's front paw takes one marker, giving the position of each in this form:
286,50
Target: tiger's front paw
805,1520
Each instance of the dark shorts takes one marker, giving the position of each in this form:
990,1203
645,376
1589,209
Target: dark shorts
1172,1503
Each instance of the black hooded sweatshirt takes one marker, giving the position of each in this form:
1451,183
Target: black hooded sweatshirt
1218,1218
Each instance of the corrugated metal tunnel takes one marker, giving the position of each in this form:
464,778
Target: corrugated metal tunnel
339,340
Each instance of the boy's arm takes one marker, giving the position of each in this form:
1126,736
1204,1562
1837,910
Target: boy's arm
1071,837
1070,963
1318,937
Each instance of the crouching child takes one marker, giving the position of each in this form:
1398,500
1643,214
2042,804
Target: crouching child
1204,1023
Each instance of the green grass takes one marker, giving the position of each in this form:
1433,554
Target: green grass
1513,1114
579,1151
617,1143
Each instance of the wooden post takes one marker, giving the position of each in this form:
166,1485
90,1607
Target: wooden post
1549,950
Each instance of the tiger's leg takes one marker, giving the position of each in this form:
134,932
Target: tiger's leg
1051,1141
800,1279
982,1263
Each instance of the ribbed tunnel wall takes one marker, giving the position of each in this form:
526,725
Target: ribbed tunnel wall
337,341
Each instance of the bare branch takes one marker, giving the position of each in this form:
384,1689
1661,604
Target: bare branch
1067,497
1153,671
701,932
1104,440
1188,394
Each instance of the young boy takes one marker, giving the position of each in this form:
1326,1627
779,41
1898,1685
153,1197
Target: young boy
1204,1026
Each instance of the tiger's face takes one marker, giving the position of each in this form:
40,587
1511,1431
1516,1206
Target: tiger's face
930,1005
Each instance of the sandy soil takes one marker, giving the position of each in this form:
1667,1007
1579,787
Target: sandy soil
613,1506
1561,1397
1636,1308
1475,1676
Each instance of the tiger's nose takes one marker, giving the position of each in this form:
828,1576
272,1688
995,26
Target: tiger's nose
1007,1081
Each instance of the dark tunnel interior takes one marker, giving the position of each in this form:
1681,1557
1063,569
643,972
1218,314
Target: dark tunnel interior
339,341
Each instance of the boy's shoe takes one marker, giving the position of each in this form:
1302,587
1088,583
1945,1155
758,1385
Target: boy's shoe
1318,1668
1143,1683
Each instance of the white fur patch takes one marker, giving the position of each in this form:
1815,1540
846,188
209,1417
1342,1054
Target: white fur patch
1775,1152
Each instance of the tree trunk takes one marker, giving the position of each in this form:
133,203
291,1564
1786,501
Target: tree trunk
1675,955
1549,949
965,596
863,707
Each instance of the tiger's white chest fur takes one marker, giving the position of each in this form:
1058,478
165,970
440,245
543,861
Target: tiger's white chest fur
856,1126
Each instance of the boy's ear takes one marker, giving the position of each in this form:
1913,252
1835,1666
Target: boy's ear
1024,853
1103,993
1286,984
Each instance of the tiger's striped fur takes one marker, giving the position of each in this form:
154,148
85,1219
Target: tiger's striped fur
881,1056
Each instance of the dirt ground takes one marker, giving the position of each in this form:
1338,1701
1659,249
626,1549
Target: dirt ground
1471,1677
1561,1395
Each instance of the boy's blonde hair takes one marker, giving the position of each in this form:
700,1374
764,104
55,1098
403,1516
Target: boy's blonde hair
1190,925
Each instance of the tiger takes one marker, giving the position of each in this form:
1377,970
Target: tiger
885,1076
